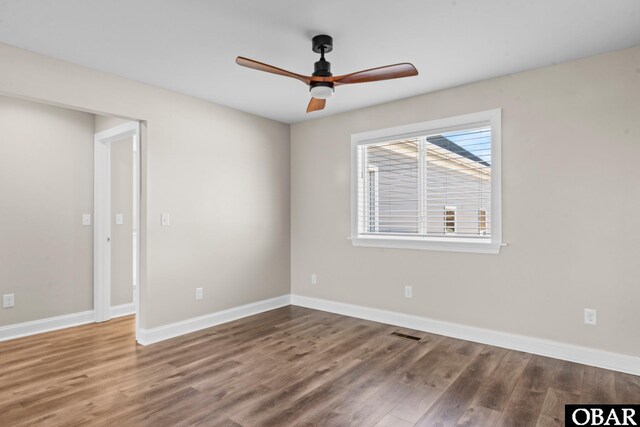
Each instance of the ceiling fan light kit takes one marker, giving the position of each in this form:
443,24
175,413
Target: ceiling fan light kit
321,90
322,83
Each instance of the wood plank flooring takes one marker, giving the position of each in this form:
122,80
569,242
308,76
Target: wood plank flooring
286,367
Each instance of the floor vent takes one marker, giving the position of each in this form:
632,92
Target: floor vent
409,337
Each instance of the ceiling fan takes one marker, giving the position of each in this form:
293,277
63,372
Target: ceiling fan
321,83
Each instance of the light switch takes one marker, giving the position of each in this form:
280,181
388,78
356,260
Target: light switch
119,219
8,300
164,219
86,219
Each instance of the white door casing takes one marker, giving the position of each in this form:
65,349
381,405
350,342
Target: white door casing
102,218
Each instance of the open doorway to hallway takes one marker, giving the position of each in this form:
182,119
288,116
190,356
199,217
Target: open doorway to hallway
116,207
51,218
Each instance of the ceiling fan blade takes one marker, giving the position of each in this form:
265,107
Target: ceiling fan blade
316,104
250,63
376,74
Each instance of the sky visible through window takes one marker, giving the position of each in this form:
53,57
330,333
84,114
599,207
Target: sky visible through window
476,141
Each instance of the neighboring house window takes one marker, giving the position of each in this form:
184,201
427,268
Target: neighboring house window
482,222
449,219
433,185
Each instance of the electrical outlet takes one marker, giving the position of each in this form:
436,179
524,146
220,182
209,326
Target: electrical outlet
408,292
590,316
165,219
199,293
314,279
8,300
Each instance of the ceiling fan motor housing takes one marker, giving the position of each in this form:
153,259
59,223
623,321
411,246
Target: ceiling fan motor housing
322,68
321,89
322,44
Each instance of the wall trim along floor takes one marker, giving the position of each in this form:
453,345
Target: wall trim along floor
122,310
542,347
554,349
39,326
49,324
161,333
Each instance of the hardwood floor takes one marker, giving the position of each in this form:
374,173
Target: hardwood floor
291,366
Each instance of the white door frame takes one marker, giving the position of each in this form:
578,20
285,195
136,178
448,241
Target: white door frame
102,219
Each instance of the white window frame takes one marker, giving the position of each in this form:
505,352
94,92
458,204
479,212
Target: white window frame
493,118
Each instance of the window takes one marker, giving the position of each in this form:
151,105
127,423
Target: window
433,185
482,222
372,199
449,219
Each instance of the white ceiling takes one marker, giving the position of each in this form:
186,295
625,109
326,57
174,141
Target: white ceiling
189,46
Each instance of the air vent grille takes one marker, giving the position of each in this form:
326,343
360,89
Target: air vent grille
406,336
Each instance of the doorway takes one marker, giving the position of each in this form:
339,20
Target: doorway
117,221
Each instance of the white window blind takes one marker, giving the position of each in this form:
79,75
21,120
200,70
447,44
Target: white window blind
435,185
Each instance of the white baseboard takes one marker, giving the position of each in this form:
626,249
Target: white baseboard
161,333
46,325
554,349
49,324
122,310
146,336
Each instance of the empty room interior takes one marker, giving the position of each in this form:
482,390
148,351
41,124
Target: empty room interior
294,213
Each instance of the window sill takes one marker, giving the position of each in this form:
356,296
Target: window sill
467,245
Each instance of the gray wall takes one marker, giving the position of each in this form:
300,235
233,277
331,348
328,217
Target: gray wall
222,174
107,122
571,144
570,150
46,184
